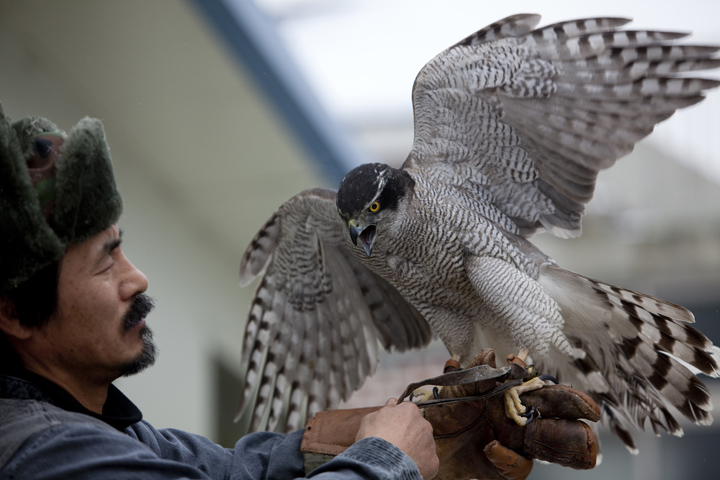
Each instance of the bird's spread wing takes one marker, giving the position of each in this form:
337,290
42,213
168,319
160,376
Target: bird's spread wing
532,116
312,332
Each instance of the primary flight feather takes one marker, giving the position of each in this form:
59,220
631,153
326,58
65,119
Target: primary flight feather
512,126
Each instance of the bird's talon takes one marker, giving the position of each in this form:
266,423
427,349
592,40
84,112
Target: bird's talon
549,378
436,393
529,416
514,409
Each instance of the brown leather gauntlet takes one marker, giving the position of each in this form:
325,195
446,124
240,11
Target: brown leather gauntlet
464,429
330,433
474,438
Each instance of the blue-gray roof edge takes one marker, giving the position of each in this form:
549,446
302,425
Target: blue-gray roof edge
254,41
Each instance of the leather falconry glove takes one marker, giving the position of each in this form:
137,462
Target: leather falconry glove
474,438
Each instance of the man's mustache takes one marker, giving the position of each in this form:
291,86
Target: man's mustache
142,305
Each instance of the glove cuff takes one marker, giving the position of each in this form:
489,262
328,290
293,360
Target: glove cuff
330,433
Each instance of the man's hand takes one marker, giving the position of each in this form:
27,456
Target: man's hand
404,426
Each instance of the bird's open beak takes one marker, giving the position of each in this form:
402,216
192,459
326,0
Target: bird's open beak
365,234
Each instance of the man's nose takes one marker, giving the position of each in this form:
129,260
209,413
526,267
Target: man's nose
134,282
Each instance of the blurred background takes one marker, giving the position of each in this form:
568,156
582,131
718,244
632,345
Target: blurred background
217,111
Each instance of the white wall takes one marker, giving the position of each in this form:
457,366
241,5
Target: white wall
200,159
199,307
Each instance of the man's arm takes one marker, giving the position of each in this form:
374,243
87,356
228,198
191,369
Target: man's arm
85,451
278,456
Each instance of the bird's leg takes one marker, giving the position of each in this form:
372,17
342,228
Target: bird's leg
514,408
423,395
452,365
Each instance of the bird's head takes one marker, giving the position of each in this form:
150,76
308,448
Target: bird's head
368,198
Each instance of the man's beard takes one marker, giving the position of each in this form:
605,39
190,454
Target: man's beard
141,307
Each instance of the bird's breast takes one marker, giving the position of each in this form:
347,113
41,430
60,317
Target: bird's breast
429,271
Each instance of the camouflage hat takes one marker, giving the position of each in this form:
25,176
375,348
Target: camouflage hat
55,189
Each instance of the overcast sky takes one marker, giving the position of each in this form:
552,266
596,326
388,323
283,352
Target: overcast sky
361,56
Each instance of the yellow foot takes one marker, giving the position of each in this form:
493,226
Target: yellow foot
420,395
514,409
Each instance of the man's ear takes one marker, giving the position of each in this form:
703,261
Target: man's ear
9,321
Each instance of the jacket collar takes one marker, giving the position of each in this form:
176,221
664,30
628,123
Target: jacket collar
118,412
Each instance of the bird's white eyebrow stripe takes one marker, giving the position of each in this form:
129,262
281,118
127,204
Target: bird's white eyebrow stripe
382,180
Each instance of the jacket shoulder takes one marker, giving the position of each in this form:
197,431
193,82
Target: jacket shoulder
21,419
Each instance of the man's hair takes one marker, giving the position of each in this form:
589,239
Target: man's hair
33,301
36,298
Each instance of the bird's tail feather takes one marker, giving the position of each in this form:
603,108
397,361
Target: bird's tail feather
637,355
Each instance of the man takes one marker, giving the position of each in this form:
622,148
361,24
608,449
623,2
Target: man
73,320
72,317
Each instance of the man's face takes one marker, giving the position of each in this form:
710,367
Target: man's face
98,328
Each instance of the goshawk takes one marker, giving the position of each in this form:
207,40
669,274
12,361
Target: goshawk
512,126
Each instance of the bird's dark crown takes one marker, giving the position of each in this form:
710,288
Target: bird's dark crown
362,184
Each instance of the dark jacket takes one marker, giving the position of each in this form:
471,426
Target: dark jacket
46,434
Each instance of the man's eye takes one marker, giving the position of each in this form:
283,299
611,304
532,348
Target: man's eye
106,267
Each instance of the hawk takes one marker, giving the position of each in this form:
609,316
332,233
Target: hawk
512,126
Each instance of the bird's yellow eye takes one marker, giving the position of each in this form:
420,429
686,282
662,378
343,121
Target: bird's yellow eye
375,207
